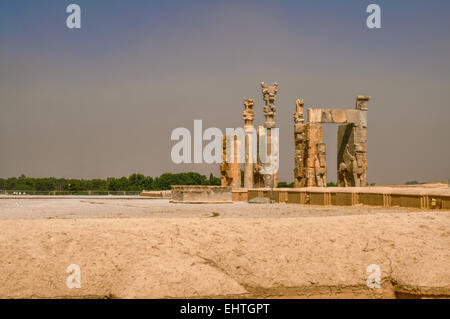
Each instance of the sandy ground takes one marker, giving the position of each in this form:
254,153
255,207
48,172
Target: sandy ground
146,248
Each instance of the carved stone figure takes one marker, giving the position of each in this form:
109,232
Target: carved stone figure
269,93
320,166
360,167
298,115
248,114
345,173
361,102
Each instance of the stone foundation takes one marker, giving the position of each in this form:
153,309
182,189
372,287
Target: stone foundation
239,194
351,196
190,194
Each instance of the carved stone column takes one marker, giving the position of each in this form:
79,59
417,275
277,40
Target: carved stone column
269,93
249,130
300,152
258,177
230,169
315,150
360,172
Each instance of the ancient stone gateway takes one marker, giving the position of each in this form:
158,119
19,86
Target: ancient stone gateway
310,167
310,156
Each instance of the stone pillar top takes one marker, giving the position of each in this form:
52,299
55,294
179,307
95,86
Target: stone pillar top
298,115
361,102
269,93
248,114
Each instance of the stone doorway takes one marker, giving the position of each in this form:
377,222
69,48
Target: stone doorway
310,150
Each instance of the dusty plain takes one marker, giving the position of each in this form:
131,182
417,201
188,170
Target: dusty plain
149,248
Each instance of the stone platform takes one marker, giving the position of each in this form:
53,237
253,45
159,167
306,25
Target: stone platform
190,194
413,197
156,194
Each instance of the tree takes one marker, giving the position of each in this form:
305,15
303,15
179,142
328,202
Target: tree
214,181
331,184
135,182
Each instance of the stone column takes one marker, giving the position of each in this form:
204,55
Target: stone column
269,93
360,172
250,159
258,177
224,176
314,152
299,138
230,169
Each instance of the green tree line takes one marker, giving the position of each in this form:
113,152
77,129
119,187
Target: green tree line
135,182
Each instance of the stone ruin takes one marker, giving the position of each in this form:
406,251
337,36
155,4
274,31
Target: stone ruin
310,169
310,155
199,194
254,173
230,171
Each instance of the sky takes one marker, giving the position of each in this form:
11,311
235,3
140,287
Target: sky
102,101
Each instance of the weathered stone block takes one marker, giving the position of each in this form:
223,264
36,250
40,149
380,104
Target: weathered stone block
339,116
299,127
356,117
239,194
318,198
345,199
406,200
371,199
194,194
326,116
314,115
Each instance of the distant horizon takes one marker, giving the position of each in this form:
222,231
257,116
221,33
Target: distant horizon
411,181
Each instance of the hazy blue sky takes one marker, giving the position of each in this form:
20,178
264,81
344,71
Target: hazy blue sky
102,101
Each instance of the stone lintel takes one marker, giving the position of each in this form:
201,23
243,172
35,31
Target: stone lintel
340,116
